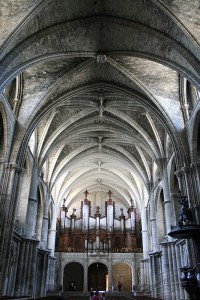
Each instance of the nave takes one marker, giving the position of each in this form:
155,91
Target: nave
100,147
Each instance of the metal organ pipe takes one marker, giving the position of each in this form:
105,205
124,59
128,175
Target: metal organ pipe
133,220
110,213
86,212
122,220
97,215
132,215
73,218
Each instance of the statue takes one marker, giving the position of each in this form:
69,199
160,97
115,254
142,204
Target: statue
185,215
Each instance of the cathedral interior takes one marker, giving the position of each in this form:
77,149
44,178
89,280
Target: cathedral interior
100,147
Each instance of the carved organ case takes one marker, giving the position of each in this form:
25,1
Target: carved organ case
97,232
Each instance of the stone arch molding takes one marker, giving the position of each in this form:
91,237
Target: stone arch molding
60,40
160,114
127,93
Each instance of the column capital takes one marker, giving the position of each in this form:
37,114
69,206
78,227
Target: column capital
155,253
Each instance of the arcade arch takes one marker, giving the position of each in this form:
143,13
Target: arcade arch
73,277
122,272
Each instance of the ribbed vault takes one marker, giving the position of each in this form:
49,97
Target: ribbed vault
99,91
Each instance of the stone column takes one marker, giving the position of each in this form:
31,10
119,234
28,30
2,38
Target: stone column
110,278
45,272
10,186
52,232
178,260
196,180
20,270
165,271
147,273
28,269
152,277
155,246
134,272
144,232
85,285
171,272
144,269
191,258
51,280
25,266
195,170
167,203
154,270
32,205
176,278
174,217
45,224
32,278
142,280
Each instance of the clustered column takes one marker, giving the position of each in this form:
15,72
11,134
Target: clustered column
11,174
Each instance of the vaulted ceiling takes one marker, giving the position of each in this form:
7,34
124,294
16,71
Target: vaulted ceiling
98,88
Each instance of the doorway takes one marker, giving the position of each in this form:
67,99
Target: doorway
73,277
98,277
122,272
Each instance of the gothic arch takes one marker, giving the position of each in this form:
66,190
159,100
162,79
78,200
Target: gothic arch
114,23
177,144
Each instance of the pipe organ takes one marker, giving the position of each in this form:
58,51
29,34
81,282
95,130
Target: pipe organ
97,233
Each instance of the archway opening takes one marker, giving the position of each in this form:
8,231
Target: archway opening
122,272
98,277
73,277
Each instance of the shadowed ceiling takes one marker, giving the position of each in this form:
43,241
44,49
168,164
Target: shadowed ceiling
99,89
